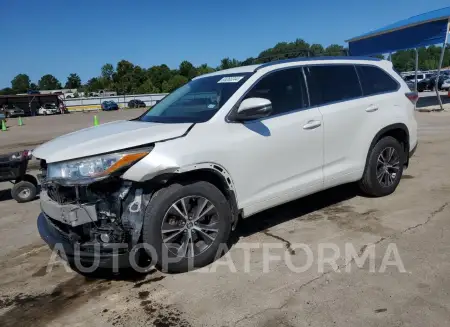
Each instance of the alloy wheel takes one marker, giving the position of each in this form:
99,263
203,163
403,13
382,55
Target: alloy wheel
388,167
190,226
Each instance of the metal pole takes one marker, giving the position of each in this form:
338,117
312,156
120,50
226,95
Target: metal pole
440,67
417,68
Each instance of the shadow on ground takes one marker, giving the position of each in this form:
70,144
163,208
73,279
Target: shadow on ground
295,209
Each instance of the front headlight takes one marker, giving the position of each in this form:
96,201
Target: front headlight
93,167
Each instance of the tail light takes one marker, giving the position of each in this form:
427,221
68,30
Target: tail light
413,97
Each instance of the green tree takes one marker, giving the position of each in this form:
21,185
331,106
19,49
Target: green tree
227,63
94,84
176,82
335,50
20,83
317,50
204,69
6,91
49,82
159,74
34,87
165,87
73,81
147,87
187,70
107,72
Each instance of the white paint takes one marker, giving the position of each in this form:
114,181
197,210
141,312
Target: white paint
270,161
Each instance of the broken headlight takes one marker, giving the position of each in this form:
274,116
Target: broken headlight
94,167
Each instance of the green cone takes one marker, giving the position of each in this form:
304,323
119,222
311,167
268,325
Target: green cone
3,126
20,121
96,121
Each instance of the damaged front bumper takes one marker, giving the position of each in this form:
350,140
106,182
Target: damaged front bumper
93,225
101,255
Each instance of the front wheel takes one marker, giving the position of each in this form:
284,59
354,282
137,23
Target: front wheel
187,225
384,168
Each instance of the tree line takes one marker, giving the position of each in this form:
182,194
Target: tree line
127,78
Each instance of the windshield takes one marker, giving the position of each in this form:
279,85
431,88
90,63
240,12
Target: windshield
50,106
196,102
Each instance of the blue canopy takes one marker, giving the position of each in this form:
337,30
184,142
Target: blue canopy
417,31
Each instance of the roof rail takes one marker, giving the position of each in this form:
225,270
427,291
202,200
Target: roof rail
325,58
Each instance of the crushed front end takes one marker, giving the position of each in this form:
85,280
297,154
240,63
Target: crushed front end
92,221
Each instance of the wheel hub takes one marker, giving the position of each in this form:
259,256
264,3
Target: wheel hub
190,226
388,165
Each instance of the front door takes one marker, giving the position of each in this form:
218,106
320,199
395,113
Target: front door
278,158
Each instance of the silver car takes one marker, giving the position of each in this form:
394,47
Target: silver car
13,111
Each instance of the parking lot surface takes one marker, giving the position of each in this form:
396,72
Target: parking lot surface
39,129
243,288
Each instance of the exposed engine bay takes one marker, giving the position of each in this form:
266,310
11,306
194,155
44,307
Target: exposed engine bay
109,211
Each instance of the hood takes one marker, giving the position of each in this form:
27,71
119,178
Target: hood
108,137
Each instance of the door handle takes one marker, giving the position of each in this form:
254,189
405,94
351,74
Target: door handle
312,124
372,108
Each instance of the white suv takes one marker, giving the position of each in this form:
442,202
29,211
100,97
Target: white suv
225,146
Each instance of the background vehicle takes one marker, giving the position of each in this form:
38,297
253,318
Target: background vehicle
136,103
13,167
430,83
12,110
225,146
49,109
109,105
446,84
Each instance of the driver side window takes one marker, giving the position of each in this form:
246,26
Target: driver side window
285,89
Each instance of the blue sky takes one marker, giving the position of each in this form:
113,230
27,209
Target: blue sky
63,37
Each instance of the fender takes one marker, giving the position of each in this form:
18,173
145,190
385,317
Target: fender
386,130
226,183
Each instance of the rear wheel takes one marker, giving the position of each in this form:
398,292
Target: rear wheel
384,168
24,191
186,224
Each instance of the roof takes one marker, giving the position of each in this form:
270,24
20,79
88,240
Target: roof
304,59
236,70
254,68
415,32
435,15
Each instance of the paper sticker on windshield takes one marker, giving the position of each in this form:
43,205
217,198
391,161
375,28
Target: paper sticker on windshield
230,79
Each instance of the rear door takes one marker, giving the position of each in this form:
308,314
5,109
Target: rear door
335,89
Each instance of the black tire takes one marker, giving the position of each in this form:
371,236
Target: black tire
23,191
369,184
155,213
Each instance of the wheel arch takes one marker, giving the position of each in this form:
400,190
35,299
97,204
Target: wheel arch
209,172
399,131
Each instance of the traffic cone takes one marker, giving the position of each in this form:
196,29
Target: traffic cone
3,126
96,121
20,123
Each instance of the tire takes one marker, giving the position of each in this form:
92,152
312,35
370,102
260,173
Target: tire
370,183
156,212
23,192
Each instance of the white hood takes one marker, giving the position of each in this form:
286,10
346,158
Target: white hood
108,137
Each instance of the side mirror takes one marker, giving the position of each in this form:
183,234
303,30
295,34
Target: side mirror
253,108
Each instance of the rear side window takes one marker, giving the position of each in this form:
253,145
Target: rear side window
375,80
332,83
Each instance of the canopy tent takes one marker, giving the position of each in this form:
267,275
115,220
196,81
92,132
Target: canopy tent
418,31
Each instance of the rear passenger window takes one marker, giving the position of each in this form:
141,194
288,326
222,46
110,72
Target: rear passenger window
375,80
332,83
285,89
